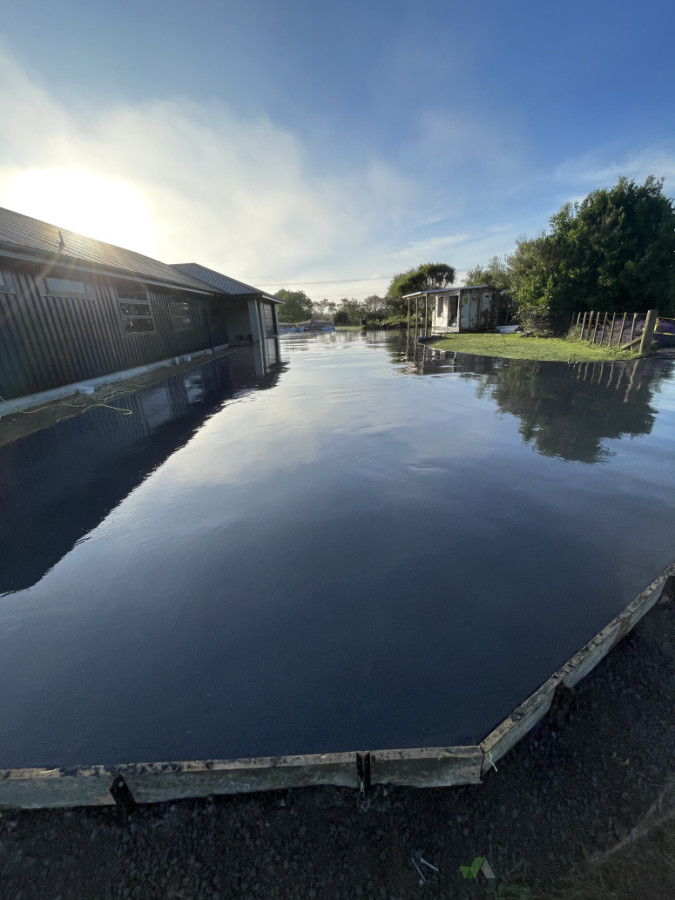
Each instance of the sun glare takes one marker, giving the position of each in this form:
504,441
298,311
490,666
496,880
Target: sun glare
108,209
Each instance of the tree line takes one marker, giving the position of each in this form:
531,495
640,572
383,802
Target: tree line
388,310
612,252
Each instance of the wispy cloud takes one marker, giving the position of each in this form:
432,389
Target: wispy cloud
234,193
594,170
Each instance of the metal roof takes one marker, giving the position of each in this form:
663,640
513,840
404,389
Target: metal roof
68,247
448,290
221,282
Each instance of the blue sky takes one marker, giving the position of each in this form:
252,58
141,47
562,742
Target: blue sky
328,146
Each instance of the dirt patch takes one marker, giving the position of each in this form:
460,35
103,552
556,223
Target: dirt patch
547,820
22,423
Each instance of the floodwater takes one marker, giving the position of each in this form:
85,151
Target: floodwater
352,543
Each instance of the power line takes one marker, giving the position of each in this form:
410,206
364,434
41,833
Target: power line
332,281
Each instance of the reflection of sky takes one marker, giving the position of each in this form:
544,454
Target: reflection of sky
351,559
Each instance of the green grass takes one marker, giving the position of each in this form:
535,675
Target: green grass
514,346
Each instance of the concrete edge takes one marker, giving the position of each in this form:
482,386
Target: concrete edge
39,788
507,734
158,782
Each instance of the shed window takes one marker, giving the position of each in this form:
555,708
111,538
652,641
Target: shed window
268,313
135,309
180,314
63,286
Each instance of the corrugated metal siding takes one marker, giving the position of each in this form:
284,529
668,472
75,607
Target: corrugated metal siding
49,341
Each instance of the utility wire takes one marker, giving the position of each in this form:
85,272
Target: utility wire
332,281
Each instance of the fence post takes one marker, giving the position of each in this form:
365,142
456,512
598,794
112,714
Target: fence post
632,327
623,325
611,329
647,334
595,330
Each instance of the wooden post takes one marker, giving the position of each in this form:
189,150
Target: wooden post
595,330
408,313
426,315
648,333
604,329
611,330
623,325
632,328
583,326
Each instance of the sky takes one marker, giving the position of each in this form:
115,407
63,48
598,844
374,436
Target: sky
326,147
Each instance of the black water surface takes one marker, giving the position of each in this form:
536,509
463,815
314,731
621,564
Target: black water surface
352,559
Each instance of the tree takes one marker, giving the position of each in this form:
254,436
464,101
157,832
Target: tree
374,307
497,273
427,277
613,252
350,312
297,305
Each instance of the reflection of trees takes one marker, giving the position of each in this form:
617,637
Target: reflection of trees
568,410
564,410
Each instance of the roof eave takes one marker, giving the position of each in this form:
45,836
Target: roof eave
58,260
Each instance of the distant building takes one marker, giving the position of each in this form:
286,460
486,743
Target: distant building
474,307
73,309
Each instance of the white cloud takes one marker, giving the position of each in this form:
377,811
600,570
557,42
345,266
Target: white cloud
235,194
594,170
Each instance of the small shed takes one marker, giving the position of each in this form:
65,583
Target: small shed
473,307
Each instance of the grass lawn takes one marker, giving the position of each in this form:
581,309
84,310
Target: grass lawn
513,346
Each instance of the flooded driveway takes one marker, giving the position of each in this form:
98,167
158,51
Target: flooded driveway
365,544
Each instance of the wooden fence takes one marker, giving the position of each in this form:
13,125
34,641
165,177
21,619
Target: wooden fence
623,329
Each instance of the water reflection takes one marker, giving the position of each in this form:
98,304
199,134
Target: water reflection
565,410
212,613
58,484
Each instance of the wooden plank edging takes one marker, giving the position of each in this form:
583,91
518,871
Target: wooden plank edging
507,734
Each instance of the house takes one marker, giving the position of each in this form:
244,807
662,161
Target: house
474,307
74,310
251,313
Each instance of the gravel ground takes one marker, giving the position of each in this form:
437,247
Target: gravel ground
556,799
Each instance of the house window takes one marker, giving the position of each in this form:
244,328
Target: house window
439,307
63,287
179,310
135,309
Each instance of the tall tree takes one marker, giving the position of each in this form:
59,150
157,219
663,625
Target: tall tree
427,277
613,252
496,273
297,305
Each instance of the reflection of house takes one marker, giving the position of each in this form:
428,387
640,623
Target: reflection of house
104,456
474,307
73,309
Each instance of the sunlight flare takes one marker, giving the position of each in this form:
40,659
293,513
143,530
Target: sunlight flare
95,205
